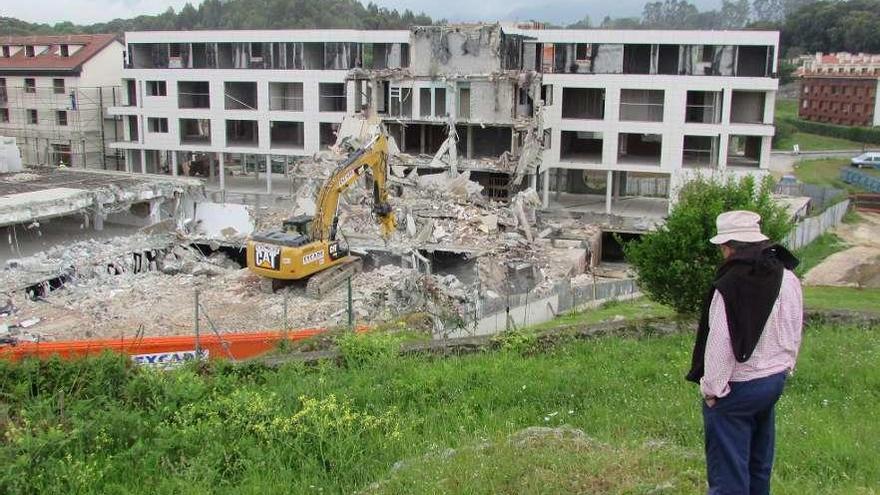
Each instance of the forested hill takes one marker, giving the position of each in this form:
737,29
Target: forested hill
240,14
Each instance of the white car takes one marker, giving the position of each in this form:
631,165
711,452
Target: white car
866,160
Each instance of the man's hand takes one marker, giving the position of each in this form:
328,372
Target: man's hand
710,401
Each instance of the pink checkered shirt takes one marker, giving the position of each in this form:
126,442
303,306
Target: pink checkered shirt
777,348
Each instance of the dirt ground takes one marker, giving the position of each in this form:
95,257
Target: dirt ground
856,266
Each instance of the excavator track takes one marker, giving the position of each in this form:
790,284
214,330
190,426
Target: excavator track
325,281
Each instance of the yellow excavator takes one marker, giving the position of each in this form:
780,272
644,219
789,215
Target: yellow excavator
307,246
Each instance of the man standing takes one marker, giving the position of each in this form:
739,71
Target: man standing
747,344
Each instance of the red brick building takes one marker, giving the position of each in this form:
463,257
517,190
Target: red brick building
842,100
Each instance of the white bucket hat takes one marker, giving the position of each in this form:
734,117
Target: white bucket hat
742,226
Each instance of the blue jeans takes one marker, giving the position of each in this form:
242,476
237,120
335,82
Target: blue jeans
741,435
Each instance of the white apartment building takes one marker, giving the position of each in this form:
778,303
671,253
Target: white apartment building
54,91
646,109
594,119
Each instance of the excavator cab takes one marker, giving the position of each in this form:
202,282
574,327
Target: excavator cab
300,224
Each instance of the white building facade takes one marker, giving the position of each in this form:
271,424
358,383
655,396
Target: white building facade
618,114
648,108
54,92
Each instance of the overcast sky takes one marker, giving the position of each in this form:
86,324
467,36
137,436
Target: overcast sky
558,11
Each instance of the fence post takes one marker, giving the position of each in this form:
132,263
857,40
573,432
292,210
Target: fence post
350,308
196,325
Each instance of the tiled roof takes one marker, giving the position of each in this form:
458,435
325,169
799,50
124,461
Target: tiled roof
48,60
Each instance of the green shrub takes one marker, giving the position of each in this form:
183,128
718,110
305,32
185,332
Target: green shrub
859,134
368,348
676,263
520,342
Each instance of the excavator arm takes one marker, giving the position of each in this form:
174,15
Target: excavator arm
373,158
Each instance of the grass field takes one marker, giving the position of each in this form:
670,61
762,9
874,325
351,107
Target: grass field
815,142
414,425
824,172
786,108
847,298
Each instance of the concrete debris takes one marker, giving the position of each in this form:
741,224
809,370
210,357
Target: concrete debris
457,185
223,221
488,223
10,155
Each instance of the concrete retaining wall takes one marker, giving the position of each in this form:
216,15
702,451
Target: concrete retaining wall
522,310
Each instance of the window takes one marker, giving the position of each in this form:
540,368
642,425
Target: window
708,54
174,50
65,51
156,88
30,85
582,52
62,153
61,117
58,86
331,97
256,50
155,124
4,115
32,116
29,51
6,51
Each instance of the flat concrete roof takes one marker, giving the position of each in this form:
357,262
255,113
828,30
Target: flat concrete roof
269,36
46,192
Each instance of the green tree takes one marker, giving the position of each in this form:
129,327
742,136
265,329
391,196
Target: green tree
585,23
669,14
768,10
734,13
830,26
676,263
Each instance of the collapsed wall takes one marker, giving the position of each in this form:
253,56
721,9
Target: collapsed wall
464,103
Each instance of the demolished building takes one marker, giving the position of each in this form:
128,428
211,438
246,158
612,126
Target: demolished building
597,121
517,155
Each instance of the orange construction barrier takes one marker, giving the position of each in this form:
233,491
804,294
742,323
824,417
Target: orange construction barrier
164,350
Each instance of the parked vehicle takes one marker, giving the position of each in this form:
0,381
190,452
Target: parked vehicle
866,160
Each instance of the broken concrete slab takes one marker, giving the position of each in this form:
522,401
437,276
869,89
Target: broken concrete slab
224,221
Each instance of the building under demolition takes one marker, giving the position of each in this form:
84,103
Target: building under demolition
602,121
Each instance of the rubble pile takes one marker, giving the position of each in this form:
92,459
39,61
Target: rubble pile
439,212
128,300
